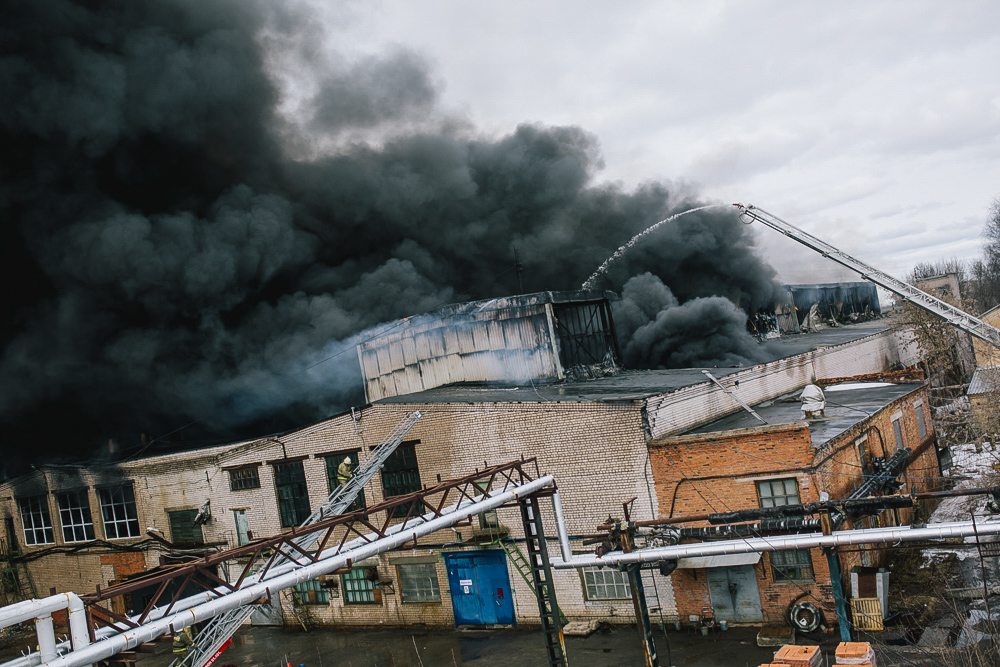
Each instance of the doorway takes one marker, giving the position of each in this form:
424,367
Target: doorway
734,593
480,588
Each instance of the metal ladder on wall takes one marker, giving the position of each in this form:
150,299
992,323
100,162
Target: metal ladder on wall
224,626
541,575
523,568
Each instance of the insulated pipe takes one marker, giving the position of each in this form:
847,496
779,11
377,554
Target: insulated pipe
783,543
46,633
557,507
149,631
29,609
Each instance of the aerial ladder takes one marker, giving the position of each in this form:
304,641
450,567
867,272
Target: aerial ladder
954,316
218,631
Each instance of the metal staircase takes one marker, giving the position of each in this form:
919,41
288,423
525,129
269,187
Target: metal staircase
523,568
956,317
541,575
224,626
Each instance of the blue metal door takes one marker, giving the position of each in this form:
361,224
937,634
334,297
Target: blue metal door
480,588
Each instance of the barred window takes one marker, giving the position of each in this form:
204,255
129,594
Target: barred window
793,565
36,521
778,492
242,479
293,498
312,592
74,516
401,476
118,512
418,582
605,584
359,585
333,462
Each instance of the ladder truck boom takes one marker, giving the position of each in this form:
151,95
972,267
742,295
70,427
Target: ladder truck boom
954,316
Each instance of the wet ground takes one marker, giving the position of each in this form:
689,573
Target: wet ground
617,647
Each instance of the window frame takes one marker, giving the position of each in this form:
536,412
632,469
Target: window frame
106,497
918,412
434,596
783,481
244,478
803,561
620,582
360,584
401,476
313,593
294,509
37,509
80,520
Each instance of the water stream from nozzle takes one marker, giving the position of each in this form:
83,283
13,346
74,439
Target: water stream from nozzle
589,283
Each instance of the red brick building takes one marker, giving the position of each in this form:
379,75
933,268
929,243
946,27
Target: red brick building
734,465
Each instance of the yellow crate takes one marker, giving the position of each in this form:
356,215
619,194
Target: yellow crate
867,613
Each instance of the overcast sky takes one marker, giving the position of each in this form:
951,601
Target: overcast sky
873,125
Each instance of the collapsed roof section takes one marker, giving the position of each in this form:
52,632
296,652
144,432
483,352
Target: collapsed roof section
542,337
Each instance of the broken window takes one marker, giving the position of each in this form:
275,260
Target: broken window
918,408
792,565
313,592
293,497
333,462
778,492
36,521
182,527
418,582
74,516
241,479
118,512
359,585
487,520
605,584
401,476
865,462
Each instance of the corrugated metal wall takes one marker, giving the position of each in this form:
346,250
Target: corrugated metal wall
513,344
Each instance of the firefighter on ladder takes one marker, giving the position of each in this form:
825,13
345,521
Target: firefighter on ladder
344,472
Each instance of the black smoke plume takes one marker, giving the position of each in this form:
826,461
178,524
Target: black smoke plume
179,247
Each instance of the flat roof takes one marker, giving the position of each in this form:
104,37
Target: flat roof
845,407
632,385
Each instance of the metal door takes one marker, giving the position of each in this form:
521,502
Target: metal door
242,527
480,588
734,592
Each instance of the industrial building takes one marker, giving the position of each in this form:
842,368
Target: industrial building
528,376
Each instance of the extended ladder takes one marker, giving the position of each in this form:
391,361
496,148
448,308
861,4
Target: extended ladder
541,574
955,316
224,626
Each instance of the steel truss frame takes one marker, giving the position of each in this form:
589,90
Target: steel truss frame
369,524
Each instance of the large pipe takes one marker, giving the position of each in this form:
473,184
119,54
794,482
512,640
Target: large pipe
782,543
41,612
557,508
263,589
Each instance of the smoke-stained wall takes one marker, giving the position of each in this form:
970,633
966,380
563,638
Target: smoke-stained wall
193,245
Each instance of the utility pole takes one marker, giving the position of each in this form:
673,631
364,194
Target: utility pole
634,571
518,269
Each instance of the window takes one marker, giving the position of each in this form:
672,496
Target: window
400,476
312,592
118,512
359,585
487,520
241,479
918,408
293,498
862,445
778,492
418,582
36,521
897,430
605,584
333,462
182,528
74,516
794,565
